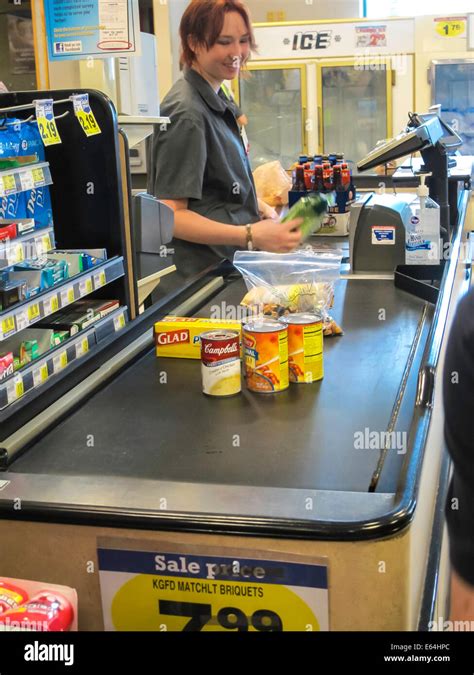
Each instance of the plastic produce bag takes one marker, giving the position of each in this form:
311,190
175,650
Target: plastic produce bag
272,183
286,283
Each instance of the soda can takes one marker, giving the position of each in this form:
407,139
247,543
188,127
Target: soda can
220,363
265,344
305,347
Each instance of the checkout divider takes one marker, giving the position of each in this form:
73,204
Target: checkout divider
162,472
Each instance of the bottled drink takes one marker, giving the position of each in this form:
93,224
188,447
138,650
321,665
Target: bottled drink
299,183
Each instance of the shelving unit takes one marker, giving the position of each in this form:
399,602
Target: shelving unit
32,245
23,178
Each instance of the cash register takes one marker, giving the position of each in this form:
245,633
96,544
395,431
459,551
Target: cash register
374,216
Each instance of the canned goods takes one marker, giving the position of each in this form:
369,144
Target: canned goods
305,347
220,363
266,355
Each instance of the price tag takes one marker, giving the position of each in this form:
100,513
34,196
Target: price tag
46,242
15,389
9,184
60,362
241,591
38,177
50,305
85,286
26,180
33,312
99,279
455,27
82,347
8,325
15,253
119,322
46,122
85,115
67,296
40,374
22,320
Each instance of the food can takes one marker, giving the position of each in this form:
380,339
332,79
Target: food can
305,347
11,596
266,355
220,363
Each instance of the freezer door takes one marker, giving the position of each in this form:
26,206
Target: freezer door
452,86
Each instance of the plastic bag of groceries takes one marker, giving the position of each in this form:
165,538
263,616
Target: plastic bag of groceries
286,283
272,183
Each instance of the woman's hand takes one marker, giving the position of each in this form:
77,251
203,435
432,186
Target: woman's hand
266,211
269,235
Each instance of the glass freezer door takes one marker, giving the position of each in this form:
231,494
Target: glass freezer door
452,86
274,100
354,107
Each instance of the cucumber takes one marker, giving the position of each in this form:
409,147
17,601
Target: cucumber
312,209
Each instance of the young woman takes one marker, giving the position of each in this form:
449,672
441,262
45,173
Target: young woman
199,163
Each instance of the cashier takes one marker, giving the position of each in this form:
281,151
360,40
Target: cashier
199,164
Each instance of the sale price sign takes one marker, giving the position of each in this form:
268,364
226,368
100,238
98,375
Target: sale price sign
201,590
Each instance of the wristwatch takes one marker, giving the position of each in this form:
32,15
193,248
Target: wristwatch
249,237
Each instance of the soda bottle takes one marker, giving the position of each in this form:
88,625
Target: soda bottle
299,182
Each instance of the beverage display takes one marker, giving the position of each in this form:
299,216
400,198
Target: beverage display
265,344
305,347
220,363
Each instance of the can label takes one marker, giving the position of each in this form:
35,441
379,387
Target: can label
305,352
220,363
266,359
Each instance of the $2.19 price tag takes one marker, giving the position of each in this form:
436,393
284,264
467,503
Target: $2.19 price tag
46,122
84,114
168,591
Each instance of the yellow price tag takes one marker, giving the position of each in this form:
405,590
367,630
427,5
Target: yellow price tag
119,322
46,242
16,254
43,372
100,279
89,285
19,388
8,325
33,312
82,347
38,176
50,305
451,28
48,130
88,123
63,359
9,184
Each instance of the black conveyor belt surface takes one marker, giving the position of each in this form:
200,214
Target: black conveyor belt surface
301,438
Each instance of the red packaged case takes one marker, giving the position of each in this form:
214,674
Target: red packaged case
7,231
6,364
46,611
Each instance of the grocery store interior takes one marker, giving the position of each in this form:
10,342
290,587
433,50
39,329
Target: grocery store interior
259,434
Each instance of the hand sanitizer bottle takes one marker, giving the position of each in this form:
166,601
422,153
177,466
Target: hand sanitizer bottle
423,240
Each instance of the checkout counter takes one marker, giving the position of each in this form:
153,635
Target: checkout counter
136,459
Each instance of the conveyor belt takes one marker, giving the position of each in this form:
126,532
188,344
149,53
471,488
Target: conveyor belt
301,438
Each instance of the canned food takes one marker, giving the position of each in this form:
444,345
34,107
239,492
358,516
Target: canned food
220,363
305,347
266,355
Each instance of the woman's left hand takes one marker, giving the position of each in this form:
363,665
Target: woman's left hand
266,211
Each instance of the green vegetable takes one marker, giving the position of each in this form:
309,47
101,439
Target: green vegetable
312,209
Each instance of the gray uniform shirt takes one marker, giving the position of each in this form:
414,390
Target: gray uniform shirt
201,156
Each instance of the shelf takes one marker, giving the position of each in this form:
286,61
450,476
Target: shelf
138,128
29,312
40,370
24,178
32,245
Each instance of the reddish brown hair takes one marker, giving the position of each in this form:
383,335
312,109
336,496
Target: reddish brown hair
204,20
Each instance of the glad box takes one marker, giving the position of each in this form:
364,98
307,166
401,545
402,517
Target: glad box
180,337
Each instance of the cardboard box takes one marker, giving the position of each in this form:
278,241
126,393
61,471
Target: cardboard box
179,337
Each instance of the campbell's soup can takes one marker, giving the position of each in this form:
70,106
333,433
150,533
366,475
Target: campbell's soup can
220,363
266,355
11,596
46,611
305,347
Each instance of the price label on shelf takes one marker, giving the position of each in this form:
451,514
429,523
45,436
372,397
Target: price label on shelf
46,122
50,305
26,180
85,286
67,296
9,184
85,115
60,361
38,177
99,279
82,347
15,253
46,242
238,590
8,325
119,322
22,320
15,389
40,374
34,312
